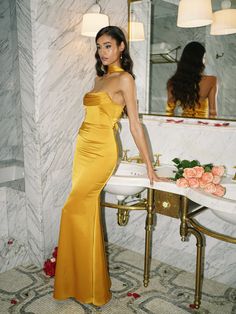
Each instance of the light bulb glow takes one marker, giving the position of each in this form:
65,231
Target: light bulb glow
194,13
224,22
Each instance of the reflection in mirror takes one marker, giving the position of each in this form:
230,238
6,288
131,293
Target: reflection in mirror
166,44
166,40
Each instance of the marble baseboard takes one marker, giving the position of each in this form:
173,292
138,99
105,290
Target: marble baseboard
12,253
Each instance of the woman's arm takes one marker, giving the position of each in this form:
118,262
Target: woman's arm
170,106
212,98
128,89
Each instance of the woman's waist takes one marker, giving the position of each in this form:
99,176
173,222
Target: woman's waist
99,126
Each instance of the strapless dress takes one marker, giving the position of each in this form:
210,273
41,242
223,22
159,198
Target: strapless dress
81,269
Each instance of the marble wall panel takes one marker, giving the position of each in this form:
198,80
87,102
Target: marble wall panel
16,215
10,106
3,213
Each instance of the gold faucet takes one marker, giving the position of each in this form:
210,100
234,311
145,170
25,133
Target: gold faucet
157,160
234,177
125,155
138,159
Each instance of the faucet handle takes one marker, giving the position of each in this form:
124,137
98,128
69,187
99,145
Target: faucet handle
234,177
138,159
125,154
157,160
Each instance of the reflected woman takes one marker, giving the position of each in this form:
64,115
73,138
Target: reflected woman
189,88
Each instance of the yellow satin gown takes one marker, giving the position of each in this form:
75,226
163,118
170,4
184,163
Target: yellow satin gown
200,110
81,270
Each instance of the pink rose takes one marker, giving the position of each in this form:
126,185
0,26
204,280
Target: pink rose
182,182
189,173
220,190
218,170
199,171
202,184
216,179
193,182
210,188
207,177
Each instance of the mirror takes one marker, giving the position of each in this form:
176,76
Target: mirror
165,45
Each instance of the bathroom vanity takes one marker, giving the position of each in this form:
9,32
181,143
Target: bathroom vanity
211,141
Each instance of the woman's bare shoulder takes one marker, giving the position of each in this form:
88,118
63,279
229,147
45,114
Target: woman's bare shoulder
126,79
210,78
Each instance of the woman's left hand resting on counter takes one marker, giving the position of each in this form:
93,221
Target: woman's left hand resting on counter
128,90
154,177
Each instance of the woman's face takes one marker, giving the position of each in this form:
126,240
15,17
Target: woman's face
108,50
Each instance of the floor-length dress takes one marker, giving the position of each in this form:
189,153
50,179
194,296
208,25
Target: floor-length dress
81,270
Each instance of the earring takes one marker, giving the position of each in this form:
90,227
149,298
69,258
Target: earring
102,68
121,57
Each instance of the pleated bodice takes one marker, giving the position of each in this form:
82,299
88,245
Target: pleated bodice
101,109
200,110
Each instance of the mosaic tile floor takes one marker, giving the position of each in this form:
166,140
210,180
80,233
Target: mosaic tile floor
170,290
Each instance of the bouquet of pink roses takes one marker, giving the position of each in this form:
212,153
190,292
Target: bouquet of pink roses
193,174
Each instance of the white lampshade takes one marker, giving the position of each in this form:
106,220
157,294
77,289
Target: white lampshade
224,22
136,31
194,13
93,21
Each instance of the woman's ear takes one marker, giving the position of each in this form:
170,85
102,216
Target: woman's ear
122,46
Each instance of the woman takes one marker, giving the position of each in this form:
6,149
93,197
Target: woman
81,270
189,88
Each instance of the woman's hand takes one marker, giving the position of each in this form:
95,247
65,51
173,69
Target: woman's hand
154,177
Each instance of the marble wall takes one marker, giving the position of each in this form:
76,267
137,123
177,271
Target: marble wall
13,229
186,141
11,145
56,69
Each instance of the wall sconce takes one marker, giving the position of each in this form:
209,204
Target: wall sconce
194,13
224,21
93,21
136,29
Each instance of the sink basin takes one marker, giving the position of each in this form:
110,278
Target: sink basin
128,179
230,191
227,202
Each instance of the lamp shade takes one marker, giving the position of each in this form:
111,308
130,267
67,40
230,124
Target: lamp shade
224,22
194,13
92,23
136,31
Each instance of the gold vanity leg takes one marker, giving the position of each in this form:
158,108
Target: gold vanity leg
184,231
198,272
148,236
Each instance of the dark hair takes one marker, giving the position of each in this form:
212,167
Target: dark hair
184,84
126,61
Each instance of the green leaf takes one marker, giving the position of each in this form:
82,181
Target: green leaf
208,166
186,163
194,163
176,160
207,169
178,176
